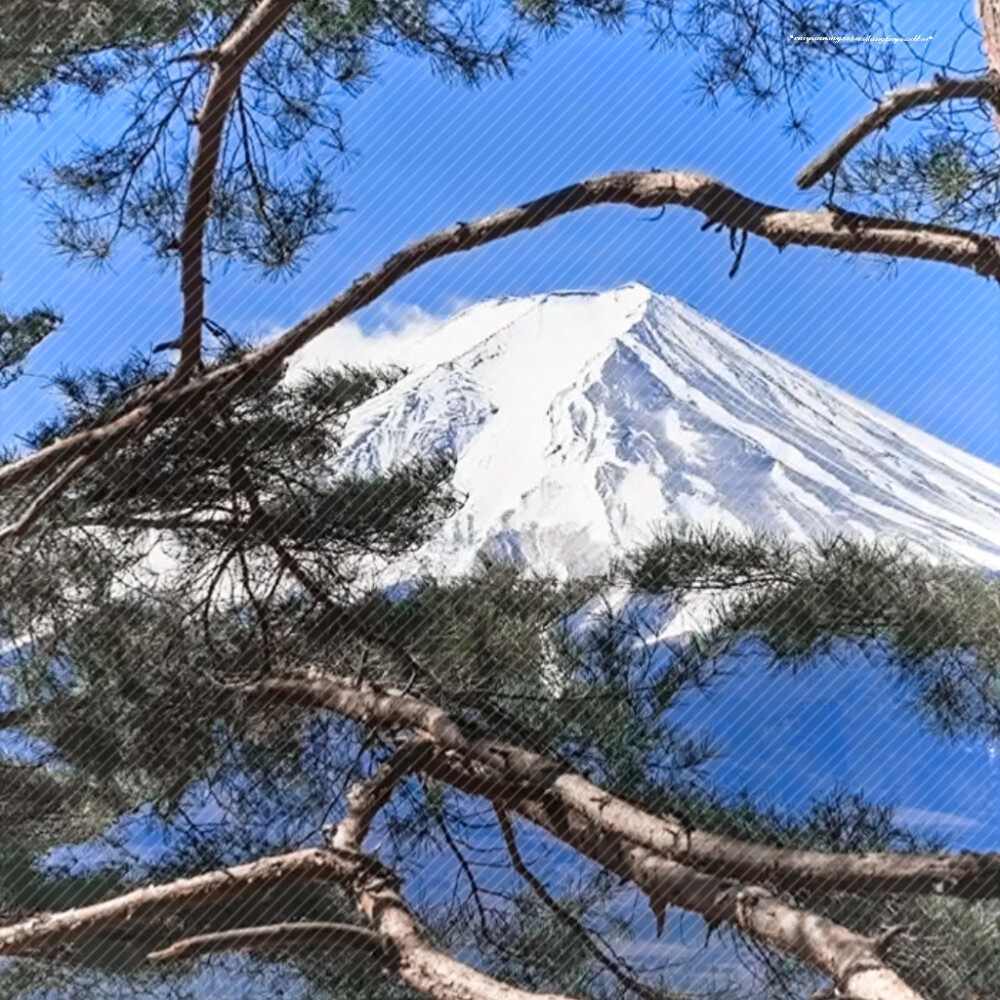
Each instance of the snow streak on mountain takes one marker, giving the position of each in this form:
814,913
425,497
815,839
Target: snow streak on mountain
581,422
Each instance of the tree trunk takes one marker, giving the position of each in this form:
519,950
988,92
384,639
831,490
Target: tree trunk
988,12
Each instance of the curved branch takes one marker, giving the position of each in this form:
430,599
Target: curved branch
278,938
895,103
592,822
968,876
395,938
988,12
831,228
671,865
365,799
851,960
431,971
235,886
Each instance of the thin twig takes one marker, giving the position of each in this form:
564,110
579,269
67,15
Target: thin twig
272,938
895,103
570,922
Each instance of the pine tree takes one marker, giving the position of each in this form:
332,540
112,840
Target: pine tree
198,634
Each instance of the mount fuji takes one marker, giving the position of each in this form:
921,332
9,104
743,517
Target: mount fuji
581,422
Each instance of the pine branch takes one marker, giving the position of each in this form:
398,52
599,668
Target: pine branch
895,103
365,800
670,865
228,61
623,839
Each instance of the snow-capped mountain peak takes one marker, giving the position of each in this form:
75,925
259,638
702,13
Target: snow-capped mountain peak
581,422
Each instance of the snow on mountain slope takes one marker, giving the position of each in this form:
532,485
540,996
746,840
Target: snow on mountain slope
580,422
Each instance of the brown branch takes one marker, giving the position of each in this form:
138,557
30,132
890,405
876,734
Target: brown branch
279,938
23,525
671,865
829,228
395,937
233,886
365,799
431,971
228,61
849,959
969,876
895,103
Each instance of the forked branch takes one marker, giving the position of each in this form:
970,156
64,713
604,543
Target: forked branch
394,939
513,769
582,816
895,103
717,877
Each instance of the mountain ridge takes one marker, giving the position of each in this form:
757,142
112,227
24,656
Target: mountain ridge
580,421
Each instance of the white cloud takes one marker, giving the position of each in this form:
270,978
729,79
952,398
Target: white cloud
402,335
914,816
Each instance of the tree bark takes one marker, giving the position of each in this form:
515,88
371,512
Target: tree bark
988,12
228,61
632,844
852,961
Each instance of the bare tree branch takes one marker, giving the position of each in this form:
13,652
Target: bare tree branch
279,938
645,849
23,525
591,821
49,932
431,971
228,61
365,800
895,103
968,876
396,936
831,228
851,960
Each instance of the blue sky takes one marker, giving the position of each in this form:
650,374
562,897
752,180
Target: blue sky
921,344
